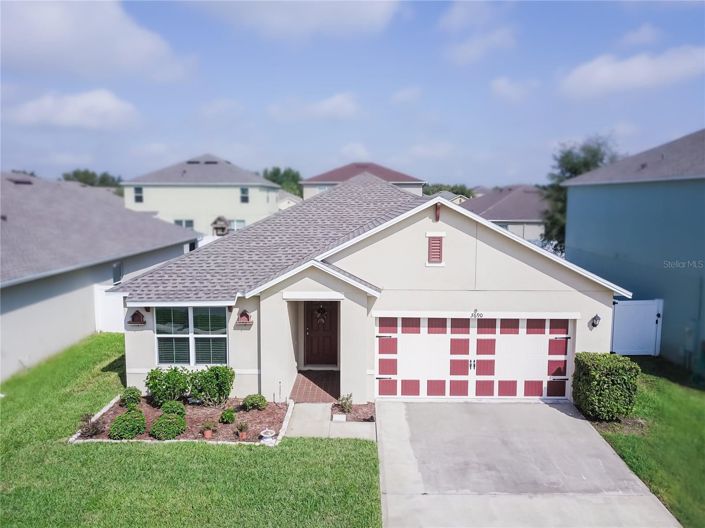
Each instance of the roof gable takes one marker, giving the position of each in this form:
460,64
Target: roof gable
350,170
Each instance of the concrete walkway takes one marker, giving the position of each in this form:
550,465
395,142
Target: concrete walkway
312,420
505,465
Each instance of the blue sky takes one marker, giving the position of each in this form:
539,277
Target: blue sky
475,93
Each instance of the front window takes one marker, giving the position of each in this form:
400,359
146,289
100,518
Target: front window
192,336
139,197
234,225
188,224
244,195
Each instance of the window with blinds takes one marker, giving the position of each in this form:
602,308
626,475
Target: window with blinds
211,351
435,250
192,336
173,350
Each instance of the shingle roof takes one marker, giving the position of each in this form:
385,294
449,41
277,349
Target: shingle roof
48,227
511,203
447,195
202,170
346,172
681,159
265,250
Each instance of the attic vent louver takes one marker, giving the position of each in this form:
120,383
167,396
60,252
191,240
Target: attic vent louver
211,162
21,181
193,162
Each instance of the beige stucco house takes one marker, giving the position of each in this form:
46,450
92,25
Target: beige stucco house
62,245
395,295
195,192
324,181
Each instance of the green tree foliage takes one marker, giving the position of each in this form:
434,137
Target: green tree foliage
93,179
570,161
288,178
458,188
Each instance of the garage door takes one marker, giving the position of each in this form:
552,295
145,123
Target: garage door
436,357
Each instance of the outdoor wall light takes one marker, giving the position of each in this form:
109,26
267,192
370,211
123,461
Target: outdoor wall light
595,321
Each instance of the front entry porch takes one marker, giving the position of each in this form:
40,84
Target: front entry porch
316,386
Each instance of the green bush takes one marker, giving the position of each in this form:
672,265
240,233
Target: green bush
130,397
168,426
213,385
165,385
228,416
346,404
604,385
254,401
128,425
174,407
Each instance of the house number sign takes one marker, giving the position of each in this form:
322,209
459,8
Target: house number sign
476,315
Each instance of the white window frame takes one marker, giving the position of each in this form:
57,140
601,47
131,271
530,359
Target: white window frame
191,340
244,193
138,193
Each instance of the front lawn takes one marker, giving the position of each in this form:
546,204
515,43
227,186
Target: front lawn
664,441
46,482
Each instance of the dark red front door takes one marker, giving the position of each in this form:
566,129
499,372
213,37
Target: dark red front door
321,325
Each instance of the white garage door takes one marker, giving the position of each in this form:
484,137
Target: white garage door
436,357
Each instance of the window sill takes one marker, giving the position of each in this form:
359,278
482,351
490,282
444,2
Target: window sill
435,264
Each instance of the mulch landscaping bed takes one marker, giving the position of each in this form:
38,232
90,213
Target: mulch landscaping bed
362,412
271,418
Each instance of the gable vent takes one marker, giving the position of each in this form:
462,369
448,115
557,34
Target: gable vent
211,162
193,162
435,250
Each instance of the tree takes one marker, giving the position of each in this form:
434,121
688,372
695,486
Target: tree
93,179
570,161
458,188
288,178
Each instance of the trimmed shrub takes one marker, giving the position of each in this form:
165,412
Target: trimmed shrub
174,407
165,385
91,428
168,426
128,425
254,401
228,416
130,397
604,385
213,385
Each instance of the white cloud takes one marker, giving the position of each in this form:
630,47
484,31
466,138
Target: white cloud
435,150
514,91
644,34
478,46
339,106
306,19
462,14
608,74
410,94
355,151
88,39
96,109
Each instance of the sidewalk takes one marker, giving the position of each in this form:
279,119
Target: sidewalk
313,420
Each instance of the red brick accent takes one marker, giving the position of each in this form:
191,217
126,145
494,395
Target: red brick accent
487,326
484,367
555,389
387,325
533,388
458,387
387,387
557,347
557,367
435,388
410,325
460,326
509,326
387,345
460,346
485,347
410,387
536,326
484,388
507,388
558,327
459,367
388,367
437,326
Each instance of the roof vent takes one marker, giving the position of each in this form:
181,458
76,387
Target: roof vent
193,162
21,181
211,162
642,166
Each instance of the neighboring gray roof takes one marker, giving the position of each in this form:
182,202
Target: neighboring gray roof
282,194
447,195
512,203
682,159
265,250
49,227
202,170
344,173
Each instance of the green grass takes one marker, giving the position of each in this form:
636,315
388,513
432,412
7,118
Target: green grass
670,456
46,482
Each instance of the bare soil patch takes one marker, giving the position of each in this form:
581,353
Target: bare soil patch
625,426
361,412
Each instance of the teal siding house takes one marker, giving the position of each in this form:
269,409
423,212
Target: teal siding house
640,223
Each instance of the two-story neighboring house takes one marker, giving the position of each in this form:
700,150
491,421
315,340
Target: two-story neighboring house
196,192
322,182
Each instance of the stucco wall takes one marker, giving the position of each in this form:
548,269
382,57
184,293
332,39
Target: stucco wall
650,239
42,317
203,204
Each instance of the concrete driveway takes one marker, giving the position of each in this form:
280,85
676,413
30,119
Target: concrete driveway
504,464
